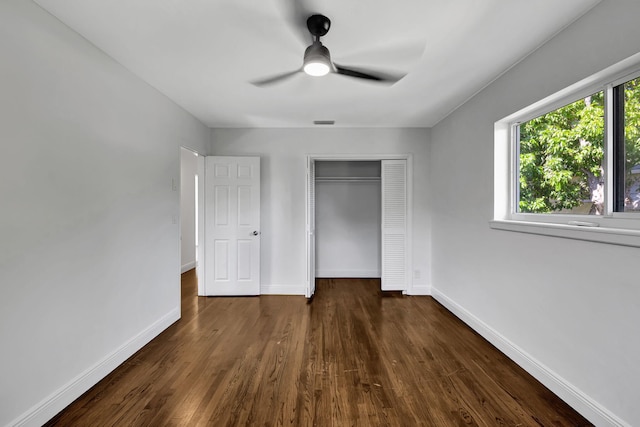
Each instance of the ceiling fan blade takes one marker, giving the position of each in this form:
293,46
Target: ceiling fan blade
402,53
275,79
377,76
296,13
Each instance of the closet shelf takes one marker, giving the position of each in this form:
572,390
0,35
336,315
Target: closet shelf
347,178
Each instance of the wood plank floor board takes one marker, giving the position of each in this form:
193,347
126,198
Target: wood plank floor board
354,356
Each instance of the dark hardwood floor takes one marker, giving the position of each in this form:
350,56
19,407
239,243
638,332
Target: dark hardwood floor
352,357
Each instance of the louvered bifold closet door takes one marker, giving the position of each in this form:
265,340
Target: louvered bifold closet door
394,225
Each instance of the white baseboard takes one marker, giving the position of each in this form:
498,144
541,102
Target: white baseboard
282,289
419,289
61,398
188,266
357,274
577,399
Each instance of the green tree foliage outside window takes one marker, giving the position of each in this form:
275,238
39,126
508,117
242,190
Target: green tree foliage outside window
561,158
631,141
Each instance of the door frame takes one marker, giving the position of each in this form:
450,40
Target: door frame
312,158
200,225
199,202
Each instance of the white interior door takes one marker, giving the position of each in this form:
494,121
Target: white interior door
311,228
394,225
232,225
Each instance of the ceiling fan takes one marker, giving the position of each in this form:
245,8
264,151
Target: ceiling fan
317,60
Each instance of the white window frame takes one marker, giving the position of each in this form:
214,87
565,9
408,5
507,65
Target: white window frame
622,228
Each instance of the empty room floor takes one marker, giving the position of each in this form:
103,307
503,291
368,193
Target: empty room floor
352,357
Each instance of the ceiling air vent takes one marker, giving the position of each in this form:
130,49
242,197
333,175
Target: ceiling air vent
324,122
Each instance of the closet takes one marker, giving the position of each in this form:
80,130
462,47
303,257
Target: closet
358,219
348,218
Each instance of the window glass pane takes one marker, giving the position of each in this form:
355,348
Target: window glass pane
632,146
561,160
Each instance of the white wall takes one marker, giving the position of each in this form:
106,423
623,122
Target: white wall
89,264
283,155
573,306
188,171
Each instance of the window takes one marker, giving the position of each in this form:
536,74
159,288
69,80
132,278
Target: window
569,165
561,159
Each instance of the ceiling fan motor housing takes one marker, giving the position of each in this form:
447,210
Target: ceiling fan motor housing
317,52
318,25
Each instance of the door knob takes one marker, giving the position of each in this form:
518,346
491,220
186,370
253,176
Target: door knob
255,233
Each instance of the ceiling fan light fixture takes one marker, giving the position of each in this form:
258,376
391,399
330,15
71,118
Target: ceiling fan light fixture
317,60
316,69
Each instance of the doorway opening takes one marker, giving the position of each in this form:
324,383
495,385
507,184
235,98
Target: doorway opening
191,218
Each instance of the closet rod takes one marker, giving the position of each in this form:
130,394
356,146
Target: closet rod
348,178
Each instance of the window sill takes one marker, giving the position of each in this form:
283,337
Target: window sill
614,236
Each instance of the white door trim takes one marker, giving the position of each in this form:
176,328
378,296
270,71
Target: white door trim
310,228
200,222
364,157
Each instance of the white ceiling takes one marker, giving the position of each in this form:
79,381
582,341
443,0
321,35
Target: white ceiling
203,54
